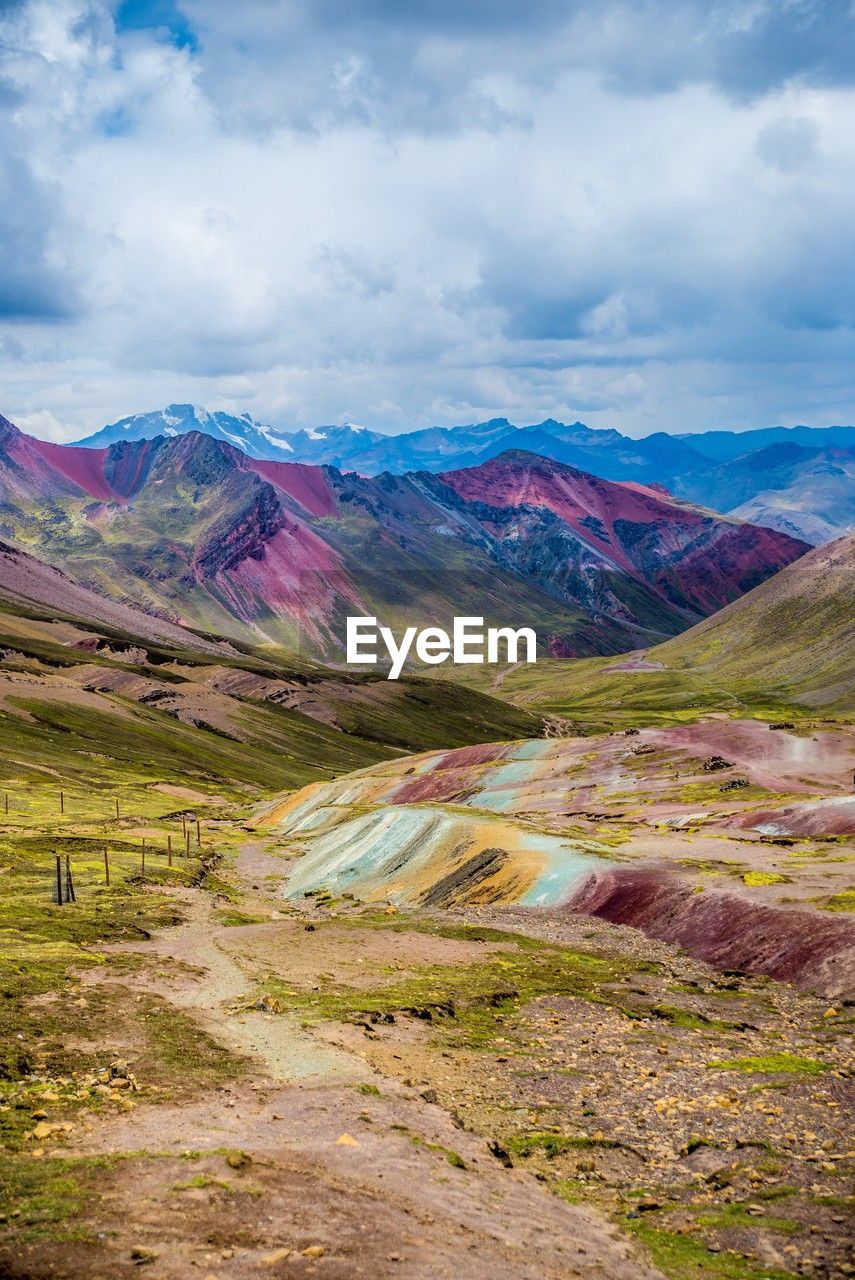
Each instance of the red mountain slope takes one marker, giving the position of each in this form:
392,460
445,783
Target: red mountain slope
692,557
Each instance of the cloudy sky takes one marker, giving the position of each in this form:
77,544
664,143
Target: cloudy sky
405,212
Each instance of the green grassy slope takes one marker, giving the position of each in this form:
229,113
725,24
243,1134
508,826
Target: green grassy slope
121,743
52,725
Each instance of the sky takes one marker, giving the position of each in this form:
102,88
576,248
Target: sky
638,214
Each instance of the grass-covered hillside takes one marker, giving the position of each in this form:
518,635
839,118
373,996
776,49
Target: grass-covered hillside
92,706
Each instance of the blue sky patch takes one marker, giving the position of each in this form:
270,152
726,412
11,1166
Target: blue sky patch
157,15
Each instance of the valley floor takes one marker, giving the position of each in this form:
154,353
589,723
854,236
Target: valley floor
256,1087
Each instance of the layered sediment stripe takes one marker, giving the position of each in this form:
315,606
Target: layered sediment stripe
548,823
829,815
724,929
414,855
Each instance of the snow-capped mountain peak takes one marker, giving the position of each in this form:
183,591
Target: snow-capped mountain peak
255,439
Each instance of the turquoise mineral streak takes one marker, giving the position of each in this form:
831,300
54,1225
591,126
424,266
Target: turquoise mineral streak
368,849
394,847
564,871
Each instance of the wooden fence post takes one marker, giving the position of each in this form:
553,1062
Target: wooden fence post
70,895
106,867
58,877
62,802
198,833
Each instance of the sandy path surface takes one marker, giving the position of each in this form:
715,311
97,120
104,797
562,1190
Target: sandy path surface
363,1174
501,676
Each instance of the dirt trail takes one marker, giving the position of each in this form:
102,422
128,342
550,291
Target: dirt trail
282,1048
335,1157
500,677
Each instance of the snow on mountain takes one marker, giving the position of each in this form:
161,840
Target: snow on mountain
253,438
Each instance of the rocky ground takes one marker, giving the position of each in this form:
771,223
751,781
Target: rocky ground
259,1087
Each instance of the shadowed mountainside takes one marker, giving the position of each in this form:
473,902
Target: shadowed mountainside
808,492
785,648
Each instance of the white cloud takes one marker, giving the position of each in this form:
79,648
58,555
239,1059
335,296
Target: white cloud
788,144
42,424
404,223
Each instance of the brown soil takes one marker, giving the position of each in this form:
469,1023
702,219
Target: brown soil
365,1175
384,1144
26,579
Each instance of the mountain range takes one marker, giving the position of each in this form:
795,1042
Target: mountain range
799,479
194,530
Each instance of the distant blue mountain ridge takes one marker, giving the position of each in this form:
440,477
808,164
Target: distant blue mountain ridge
800,479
